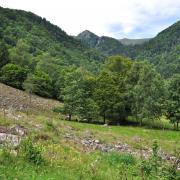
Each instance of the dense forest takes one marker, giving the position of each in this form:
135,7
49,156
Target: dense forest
42,59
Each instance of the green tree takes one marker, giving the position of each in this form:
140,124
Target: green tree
118,64
13,75
39,83
119,67
173,100
146,91
20,55
77,95
4,55
104,94
87,108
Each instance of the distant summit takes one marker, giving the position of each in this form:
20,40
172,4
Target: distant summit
88,38
104,44
91,39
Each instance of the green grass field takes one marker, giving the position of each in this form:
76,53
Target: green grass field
68,159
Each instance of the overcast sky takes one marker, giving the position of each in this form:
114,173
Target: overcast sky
115,18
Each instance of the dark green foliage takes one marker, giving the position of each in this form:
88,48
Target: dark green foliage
173,100
77,95
146,91
104,93
13,75
58,109
110,92
4,55
36,35
163,51
39,83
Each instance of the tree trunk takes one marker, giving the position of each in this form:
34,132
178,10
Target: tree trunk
30,98
140,122
104,118
70,117
177,125
4,112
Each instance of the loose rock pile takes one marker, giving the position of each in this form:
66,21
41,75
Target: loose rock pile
11,98
12,136
90,143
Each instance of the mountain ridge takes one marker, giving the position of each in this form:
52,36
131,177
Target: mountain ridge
125,41
162,50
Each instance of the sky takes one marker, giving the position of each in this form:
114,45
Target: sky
114,18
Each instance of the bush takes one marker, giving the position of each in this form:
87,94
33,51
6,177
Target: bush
13,75
156,168
5,155
126,159
58,109
39,83
31,153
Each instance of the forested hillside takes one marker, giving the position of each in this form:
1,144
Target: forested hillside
32,46
162,50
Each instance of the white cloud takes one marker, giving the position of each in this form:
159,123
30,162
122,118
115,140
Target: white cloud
100,16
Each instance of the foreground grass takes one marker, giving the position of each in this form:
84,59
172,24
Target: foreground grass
51,124
70,164
68,160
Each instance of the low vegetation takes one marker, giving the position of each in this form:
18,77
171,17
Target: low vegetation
54,148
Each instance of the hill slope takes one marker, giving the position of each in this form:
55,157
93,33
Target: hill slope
35,36
11,98
163,51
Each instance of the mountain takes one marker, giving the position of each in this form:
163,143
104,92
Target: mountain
88,38
163,51
26,32
126,41
106,45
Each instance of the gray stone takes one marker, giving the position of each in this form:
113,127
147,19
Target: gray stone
97,141
11,139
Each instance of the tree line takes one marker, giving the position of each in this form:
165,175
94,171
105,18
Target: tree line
122,89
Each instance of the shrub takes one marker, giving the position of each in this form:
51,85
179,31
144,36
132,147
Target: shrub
126,159
31,153
5,155
156,168
58,109
13,75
